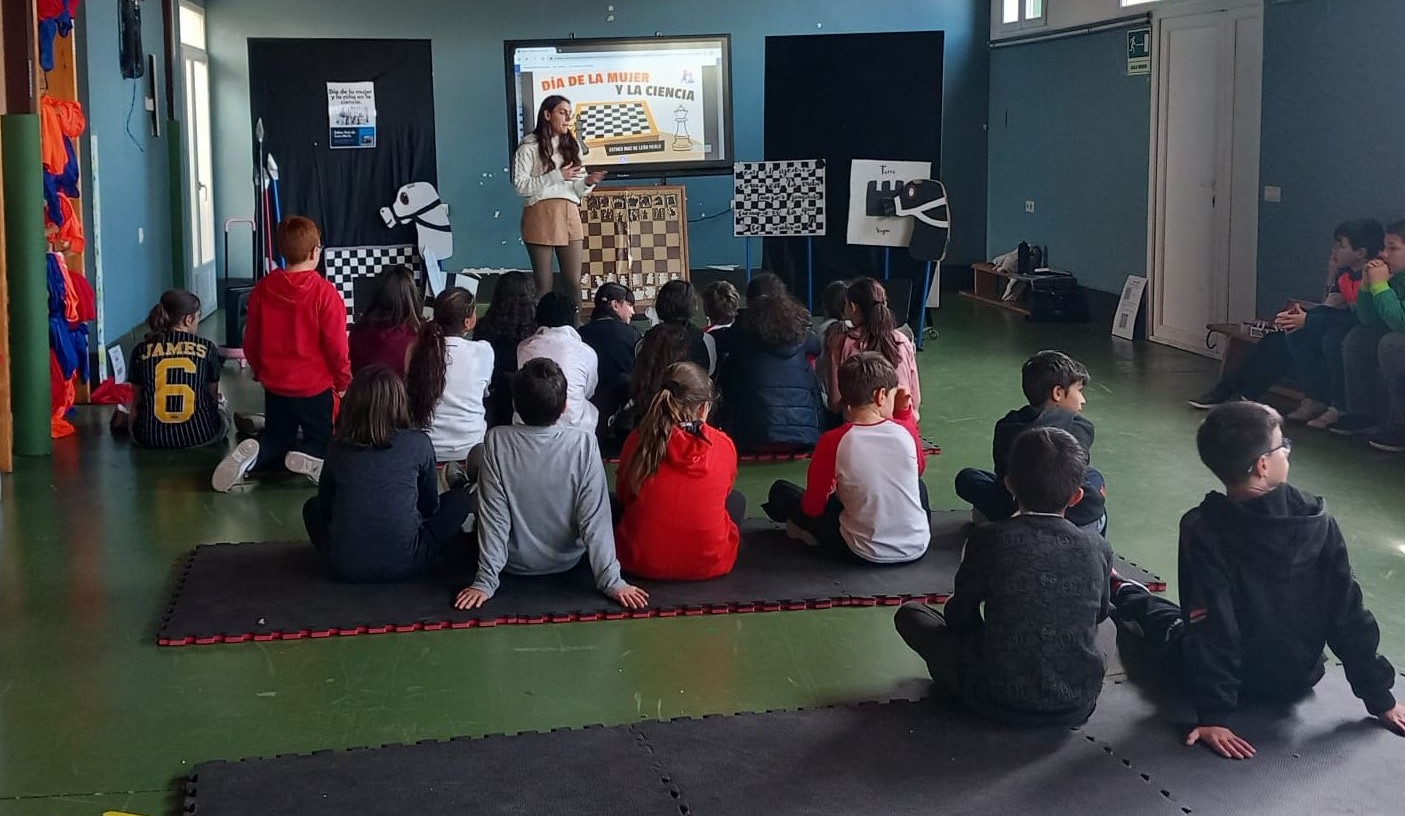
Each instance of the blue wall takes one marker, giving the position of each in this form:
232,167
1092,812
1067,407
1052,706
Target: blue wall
1333,133
469,96
1071,131
134,191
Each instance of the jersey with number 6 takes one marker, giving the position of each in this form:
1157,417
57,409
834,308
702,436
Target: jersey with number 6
172,371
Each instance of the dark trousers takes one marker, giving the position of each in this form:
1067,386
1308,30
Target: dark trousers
284,417
985,491
1316,354
924,630
1375,374
433,546
783,505
1264,366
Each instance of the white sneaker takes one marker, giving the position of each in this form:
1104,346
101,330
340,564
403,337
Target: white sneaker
1308,409
799,533
304,465
233,468
1326,419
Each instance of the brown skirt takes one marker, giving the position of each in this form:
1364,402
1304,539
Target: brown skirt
552,222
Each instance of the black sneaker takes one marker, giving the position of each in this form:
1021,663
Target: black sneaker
1211,398
1353,425
1390,440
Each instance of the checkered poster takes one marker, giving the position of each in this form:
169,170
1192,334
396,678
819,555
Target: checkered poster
779,198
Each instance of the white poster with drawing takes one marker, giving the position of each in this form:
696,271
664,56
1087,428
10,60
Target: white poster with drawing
351,114
873,187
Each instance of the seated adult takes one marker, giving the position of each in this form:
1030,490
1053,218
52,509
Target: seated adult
770,397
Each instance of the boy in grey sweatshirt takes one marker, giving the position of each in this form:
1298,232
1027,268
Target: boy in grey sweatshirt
543,498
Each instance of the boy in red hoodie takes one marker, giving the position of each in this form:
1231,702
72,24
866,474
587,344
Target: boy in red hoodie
295,341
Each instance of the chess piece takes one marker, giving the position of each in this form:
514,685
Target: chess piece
682,142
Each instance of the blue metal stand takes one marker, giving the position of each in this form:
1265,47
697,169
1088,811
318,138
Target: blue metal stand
887,262
922,311
810,274
748,259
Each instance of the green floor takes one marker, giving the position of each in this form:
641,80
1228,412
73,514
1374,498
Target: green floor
95,717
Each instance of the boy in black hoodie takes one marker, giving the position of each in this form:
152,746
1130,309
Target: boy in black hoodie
1053,383
1265,584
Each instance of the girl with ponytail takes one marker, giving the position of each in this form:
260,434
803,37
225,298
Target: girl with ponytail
678,512
448,376
175,376
873,329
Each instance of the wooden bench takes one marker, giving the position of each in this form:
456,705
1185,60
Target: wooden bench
988,286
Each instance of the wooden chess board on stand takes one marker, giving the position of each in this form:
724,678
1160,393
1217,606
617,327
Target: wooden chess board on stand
636,236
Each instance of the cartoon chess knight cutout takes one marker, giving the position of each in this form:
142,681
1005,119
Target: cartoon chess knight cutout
925,201
418,203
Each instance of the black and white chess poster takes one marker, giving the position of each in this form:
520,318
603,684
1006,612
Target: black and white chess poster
874,186
775,199
352,270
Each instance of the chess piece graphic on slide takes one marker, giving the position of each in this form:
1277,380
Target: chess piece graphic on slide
682,142
878,202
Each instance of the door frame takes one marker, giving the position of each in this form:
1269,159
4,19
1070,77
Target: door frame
1238,150
189,132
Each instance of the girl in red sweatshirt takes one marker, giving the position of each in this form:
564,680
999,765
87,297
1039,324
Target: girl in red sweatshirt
679,511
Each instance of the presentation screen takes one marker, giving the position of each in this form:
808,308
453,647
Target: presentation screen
645,107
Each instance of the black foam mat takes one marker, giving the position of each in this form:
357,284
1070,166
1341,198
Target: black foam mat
893,758
1322,755
279,591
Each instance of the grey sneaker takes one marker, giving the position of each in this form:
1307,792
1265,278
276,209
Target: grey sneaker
304,465
233,468
799,533
1326,419
1308,409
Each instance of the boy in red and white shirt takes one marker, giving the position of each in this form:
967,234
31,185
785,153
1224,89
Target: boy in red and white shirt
864,490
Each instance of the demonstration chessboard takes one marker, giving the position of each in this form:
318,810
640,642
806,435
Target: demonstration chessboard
778,198
347,265
606,121
637,236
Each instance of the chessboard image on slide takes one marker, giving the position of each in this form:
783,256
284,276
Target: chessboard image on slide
600,122
351,269
779,198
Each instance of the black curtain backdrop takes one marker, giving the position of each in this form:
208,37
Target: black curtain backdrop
841,97
343,190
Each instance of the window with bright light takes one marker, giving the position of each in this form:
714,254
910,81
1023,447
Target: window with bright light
1126,3
1018,12
192,26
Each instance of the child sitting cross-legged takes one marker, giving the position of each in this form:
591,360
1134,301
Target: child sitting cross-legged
1016,641
1265,584
386,330
678,512
448,377
1053,384
543,499
378,515
864,490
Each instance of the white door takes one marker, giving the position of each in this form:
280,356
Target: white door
199,159
1203,233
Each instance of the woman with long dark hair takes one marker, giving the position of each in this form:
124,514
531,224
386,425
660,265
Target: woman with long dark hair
547,173
511,318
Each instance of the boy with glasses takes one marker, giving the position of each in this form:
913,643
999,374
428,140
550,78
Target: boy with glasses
1265,584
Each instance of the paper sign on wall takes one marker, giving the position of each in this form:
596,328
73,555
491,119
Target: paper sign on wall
119,364
1139,52
351,114
873,187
